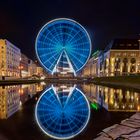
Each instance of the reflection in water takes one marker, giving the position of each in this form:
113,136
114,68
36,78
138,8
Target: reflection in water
12,97
113,99
9,101
62,112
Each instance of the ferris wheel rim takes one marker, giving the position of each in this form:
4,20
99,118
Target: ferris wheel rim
59,19
68,137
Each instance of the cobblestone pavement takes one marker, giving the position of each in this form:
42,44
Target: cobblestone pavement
128,129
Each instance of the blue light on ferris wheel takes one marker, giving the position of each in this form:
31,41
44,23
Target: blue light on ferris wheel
62,115
63,36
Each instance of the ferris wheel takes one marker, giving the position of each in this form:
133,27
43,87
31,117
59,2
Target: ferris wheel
62,115
63,38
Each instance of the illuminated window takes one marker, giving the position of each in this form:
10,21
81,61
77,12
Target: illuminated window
132,54
124,54
117,54
129,44
121,44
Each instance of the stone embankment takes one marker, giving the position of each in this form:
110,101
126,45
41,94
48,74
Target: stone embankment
128,129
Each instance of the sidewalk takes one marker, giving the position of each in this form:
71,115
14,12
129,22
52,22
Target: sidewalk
128,129
119,81
18,81
122,84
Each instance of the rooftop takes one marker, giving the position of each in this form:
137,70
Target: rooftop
123,44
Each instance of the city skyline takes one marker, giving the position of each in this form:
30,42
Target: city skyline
104,21
69,69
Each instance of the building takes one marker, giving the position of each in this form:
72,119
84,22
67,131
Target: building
113,99
120,57
28,91
13,97
32,68
91,68
10,60
9,101
23,66
39,71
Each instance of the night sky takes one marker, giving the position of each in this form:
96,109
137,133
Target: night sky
20,20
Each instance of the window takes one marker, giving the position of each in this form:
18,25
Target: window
132,54
129,44
124,54
117,54
121,44
125,60
133,60
135,44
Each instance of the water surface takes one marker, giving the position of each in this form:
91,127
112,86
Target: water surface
17,104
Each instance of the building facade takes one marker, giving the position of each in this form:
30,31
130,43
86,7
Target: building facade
9,101
10,59
32,68
91,68
23,66
13,97
120,57
39,71
113,99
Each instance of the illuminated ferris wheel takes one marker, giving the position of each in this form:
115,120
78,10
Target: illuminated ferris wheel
63,43
62,115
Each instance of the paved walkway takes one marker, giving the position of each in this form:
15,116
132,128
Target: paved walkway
128,129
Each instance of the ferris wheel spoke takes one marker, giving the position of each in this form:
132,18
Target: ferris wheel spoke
76,59
80,49
78,54
52,63
50,45
57,32
77,39
63,35
71,61
48,38
48,54
71,29
74,36
80,44
53,56
61,32
50,32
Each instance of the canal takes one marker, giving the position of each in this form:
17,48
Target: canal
17,109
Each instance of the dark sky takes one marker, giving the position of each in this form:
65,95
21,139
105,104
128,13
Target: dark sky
20,20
